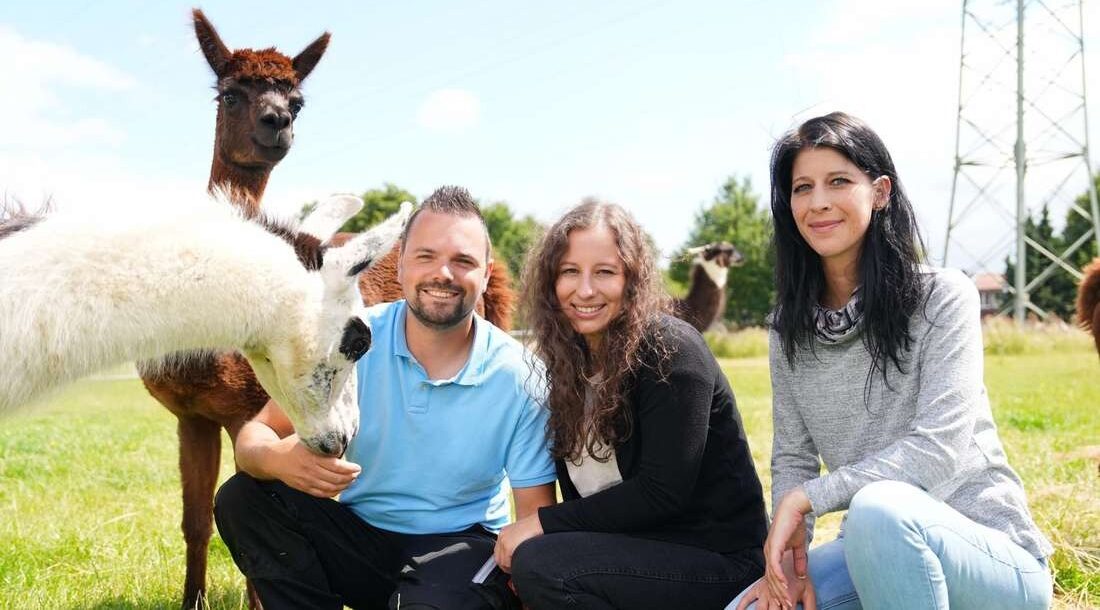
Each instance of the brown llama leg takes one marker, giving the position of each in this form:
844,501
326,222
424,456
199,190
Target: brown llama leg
200,453
253,597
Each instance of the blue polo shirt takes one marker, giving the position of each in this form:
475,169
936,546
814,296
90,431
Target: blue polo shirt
435,453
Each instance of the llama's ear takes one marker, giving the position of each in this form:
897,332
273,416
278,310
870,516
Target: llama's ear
345,262
330,215
217,54
305,61
695,250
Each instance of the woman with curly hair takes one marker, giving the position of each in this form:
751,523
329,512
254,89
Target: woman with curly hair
876,366
663,507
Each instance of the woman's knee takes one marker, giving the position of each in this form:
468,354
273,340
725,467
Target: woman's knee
537,565
882,505
882,517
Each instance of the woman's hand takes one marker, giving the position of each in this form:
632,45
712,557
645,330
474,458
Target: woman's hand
514,535
787,534
800,590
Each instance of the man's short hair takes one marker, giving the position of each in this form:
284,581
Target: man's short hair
453,200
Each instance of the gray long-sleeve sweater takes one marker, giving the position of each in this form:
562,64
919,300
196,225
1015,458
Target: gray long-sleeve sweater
931,428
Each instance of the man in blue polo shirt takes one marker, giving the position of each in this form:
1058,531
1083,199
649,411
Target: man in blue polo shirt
445,415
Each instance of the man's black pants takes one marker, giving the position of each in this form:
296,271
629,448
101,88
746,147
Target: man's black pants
306,552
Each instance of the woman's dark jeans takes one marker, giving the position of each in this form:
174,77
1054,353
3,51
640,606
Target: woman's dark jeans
608,571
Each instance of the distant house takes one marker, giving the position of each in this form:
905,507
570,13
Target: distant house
991,288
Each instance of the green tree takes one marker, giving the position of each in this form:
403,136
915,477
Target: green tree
1057,293
735,216
378,204
512,237
1076,226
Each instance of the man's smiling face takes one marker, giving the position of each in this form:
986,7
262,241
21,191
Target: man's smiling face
443,268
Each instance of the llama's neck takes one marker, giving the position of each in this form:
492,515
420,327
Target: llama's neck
76,301
247,184
706,297
715,272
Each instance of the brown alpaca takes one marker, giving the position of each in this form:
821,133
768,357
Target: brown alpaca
705,302
1088,301
258,100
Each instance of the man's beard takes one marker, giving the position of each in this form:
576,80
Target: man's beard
440,317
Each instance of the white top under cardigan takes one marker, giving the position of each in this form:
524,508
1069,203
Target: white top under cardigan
588,474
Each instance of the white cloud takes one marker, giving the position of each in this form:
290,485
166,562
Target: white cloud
50,148
449,111
37,117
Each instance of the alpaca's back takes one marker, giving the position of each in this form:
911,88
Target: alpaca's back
78,294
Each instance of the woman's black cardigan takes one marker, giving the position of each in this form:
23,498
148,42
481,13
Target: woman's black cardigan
688,475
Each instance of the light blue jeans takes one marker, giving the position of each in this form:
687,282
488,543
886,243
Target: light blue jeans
904,549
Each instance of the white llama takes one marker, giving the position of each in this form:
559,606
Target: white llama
77,295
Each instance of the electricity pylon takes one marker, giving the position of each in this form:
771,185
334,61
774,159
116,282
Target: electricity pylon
1023,121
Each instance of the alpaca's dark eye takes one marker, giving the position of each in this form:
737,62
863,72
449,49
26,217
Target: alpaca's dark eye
296,107
229,99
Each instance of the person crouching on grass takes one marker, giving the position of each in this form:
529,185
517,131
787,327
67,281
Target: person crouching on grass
876,366
663,507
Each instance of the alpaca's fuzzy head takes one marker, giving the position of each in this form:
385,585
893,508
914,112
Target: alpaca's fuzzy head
259,97
308,367
716,259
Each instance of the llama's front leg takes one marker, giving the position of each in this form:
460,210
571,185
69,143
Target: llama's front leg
200,453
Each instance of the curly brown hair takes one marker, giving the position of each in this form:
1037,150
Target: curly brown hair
569,364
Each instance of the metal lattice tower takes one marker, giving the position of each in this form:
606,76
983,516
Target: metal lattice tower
1021,137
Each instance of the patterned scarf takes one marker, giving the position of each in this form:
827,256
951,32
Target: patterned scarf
835,325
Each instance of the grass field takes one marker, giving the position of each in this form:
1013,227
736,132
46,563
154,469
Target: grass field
89,491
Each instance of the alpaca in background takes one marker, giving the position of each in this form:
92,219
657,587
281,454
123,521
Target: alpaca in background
1088,301
705,302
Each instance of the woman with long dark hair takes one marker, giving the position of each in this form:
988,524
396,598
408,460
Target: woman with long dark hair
876,364
663,507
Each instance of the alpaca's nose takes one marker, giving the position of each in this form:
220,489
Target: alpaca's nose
276,119
333,444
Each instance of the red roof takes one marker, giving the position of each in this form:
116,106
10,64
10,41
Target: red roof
989,281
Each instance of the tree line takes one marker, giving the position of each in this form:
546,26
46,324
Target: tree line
1057,294
735,215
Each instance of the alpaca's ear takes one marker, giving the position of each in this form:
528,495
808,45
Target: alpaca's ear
330,215
217,54
305,61
345,262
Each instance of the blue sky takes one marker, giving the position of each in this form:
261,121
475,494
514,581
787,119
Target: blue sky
650,104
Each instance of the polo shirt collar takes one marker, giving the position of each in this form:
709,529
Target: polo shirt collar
471,373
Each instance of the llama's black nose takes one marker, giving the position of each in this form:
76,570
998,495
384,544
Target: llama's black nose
275,119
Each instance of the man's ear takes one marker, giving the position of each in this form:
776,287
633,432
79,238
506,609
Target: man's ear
882,186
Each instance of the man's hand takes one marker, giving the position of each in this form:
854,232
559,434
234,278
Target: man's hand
267,448
294,464
514,535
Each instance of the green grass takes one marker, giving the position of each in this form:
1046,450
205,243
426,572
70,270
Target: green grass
90,508
90,505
